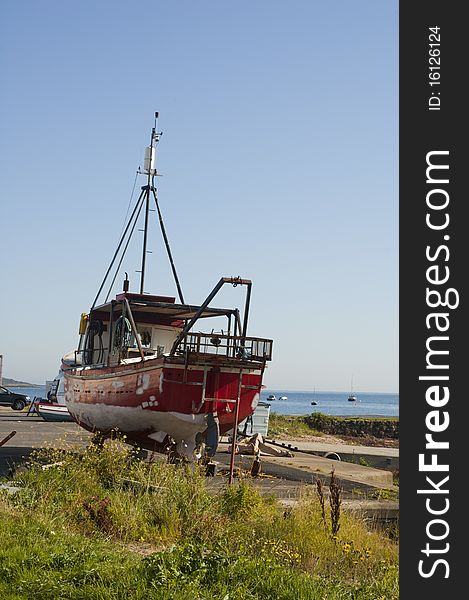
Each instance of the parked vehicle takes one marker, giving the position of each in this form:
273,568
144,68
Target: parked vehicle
16,401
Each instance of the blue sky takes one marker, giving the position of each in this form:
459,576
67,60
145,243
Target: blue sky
279,158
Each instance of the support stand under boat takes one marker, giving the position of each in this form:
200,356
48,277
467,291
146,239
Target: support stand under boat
235,430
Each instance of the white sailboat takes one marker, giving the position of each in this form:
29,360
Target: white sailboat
352,397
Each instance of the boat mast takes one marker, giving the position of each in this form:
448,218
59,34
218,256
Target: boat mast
144,198
149,168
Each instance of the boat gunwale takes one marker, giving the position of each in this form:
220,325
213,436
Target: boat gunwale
89,372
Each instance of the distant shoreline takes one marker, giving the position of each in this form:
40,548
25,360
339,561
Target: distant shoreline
353,417
12,383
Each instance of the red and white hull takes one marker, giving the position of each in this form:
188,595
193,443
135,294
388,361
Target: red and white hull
148,400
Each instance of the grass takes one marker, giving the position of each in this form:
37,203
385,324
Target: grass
105,525
284,426
288,427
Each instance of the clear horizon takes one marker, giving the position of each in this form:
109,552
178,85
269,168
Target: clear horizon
267,389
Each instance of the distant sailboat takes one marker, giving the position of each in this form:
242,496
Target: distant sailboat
352,397
313,402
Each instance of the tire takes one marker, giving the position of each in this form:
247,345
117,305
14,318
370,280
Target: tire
18,405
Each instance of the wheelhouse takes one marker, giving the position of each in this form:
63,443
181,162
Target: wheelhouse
136,327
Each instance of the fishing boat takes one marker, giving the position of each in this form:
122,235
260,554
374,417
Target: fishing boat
283,398
54,408
142,369
271,397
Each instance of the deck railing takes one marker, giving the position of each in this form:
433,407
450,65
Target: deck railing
247,348
230,346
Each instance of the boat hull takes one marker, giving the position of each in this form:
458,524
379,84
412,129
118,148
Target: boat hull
159,397
53,412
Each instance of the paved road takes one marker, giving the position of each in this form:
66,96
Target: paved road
33,432
373,456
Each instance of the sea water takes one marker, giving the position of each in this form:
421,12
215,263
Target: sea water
39,391
299,403
333,403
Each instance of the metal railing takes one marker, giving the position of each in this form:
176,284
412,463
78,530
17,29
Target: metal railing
247,348
223,345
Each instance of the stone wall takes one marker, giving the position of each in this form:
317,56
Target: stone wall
354,426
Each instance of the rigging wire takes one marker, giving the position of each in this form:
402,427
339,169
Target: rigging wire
122,236
139,202
144,196
168,249
124,252
137,173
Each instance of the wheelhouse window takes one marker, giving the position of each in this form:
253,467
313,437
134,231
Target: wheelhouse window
145,337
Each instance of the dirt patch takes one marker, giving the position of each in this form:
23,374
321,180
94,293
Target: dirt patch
335,439
370,440
143,548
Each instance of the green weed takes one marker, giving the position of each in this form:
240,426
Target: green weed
103,524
